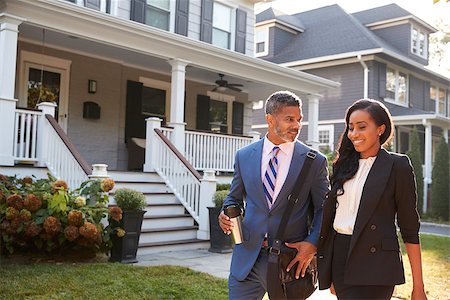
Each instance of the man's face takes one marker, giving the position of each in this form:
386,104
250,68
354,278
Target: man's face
284,126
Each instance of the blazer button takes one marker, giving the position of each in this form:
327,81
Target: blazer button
321,237
321,256
373,227
373,249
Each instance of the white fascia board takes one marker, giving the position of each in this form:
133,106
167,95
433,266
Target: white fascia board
395,21
274,22
74,20
331,57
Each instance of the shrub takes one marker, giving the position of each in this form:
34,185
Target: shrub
440,182
416,161
45,215
129,199
223,186
219,197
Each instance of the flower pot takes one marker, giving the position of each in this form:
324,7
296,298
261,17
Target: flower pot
124,249
220,242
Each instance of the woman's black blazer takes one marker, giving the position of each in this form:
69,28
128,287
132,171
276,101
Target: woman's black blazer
374,257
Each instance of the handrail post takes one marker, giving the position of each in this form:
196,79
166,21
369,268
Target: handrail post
256,136
47,108
207,189
150,144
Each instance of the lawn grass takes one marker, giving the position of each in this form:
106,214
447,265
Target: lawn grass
41,279
436,268
107,281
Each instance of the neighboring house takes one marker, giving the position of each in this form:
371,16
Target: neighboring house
110,66
379,53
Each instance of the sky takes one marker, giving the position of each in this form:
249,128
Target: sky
423,9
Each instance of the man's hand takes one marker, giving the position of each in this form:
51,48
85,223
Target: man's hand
305,253
225,223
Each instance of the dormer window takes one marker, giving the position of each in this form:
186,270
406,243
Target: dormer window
262,41
419,42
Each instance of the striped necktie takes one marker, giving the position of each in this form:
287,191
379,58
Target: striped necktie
270,176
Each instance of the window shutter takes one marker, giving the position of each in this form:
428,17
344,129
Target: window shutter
206,21
134,127
202,112
238,118
381,80
241,30
427,105
93,4
182,17
137,12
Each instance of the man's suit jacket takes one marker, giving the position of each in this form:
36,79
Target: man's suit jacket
258,219
374,256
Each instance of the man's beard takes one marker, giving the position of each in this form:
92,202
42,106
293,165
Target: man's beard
285,137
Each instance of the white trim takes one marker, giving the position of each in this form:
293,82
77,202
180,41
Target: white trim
266,42
418,47
407,18
54,64
281,24
387,25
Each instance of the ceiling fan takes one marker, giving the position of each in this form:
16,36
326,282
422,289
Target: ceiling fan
222,85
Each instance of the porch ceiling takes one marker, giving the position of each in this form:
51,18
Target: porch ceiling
73,28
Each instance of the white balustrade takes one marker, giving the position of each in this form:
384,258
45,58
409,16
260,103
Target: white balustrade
25,135
168,132
184,184
209,151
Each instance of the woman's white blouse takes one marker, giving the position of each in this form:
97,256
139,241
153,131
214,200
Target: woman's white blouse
348,203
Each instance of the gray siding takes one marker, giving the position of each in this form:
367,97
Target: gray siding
281,39
417,94
400,38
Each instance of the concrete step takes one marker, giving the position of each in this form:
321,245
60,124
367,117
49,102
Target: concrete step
168,234
167,221
161,198
159,247
135,176
147,187
164,209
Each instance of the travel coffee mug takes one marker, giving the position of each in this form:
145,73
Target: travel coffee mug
234,213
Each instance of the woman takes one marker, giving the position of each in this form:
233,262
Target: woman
358,252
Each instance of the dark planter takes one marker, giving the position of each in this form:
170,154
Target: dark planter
220,242
124,249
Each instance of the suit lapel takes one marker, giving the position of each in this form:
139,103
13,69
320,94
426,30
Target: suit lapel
255,160
298,158
374,187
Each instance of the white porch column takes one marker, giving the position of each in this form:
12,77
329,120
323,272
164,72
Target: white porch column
256,136
313,121
177,102
9,32
150,145
428,163
47,108
445,132
207,189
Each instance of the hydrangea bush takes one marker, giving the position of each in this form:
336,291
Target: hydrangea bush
46,215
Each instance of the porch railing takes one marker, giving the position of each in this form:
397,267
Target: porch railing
25,135
210,151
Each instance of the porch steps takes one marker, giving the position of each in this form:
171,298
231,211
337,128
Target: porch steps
166,225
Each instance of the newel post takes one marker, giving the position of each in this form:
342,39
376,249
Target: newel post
150,143
256,136
207,189
43,141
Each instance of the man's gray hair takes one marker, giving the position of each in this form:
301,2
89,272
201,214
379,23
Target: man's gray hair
281,99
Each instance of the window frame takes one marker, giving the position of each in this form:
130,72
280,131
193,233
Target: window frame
232,32
265,33
229,99
171,11
330,129
438,101
418,42
395,100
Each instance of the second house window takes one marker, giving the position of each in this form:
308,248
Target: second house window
221,34
157,14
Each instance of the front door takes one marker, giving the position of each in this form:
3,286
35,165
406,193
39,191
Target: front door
45,79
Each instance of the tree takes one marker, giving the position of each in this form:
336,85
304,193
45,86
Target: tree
439,43
440,191
416,160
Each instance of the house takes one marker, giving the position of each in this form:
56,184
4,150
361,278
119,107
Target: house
164,87
380,53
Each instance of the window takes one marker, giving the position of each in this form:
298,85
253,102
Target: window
326,138
157,14
221,35
262,41
419,42
154,102
437,97
258,104
396,87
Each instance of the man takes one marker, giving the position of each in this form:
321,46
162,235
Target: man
265,173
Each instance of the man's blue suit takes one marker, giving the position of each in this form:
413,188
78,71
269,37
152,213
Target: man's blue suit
258,219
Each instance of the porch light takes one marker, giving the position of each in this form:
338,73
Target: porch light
92,86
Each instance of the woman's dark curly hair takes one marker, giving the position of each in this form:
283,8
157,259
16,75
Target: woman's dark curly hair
346,163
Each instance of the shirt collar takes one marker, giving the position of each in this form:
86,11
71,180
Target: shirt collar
285,147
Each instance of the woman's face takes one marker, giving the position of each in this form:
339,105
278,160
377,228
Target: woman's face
364,133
